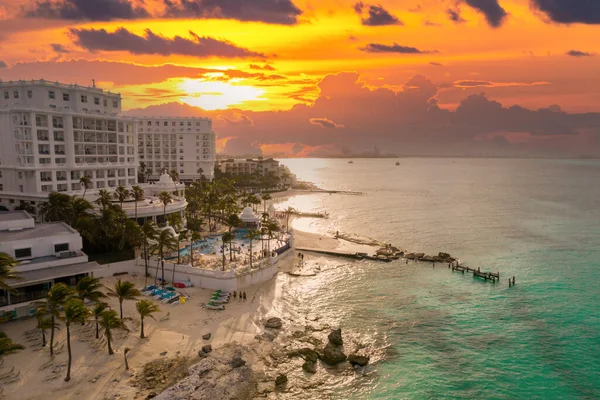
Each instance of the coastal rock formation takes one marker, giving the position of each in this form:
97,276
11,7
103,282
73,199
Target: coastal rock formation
273,323
335,337
207,348
206,337
310,367
306,353
281,380
356,359
237,362
333,355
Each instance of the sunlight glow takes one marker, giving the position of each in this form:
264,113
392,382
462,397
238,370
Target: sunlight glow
211,95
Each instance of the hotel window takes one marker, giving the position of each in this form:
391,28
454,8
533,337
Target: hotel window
51,95
97,101
181,124
189,124
157,123
16,94
1,187
6,96
197,123
181,151
115,103
61,247
83,98
149,123
166,123
29,94
66,97
105,103
22,253
173,123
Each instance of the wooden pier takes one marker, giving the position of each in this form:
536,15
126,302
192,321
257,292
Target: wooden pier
354,256
492,276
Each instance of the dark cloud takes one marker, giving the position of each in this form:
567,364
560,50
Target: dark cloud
324,123
282,12
241,146
3,64
376,15
436,64
494,13
578,53
237,118
59,48
265,67
395,48
92,10
151,43
570,11
472,83
455,16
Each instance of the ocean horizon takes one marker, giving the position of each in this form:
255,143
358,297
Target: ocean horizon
435,333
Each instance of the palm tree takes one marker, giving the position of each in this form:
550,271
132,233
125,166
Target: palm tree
252,235
104,198
89,288
86,182
175,177
7,265
265,197
57,208
137,193
233,221
109,319
75,311
56,298
122,194
165,198
82,218
165,242
227,237
196,236
124,291
7,345
146,308
97,311
43,322
182,237
271,227
142,172
150,233
125,351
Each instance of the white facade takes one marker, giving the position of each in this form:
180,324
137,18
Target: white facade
52,134
258,166
185,145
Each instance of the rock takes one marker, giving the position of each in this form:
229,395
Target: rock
273,323
164,353
335,337
310,367
266,336
151,395
237,362
306,353
333,355
355,359
281,380
206,337
207,348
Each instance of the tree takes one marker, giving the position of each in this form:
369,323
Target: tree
265,197
165,198
24,206
104,199
109,319
7,265
146,308
233,221
125,351
124,290
165,242
89,288
97,311
86,182
142,172
182,237
7,345
227,238
43,322
56,298
81,217
252,235
196,236
75,311
122,194
137,193
175,221
150,233
271,227
57,208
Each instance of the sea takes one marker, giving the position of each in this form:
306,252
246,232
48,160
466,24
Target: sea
438,334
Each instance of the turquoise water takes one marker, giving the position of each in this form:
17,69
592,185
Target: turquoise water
214,244
439,334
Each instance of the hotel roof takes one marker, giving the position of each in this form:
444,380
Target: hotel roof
6,216
39,231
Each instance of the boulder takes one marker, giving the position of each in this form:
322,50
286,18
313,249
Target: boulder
333,354
310,367
273,323
355,359
335,337
281,380
306,353
207,348
237,362
206,337
151,395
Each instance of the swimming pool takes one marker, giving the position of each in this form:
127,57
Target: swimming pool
213,244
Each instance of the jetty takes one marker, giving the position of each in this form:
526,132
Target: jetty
354,256
492,276
307,214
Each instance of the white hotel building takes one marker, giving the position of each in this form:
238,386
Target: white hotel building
52,134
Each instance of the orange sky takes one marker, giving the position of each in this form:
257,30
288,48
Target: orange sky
522,61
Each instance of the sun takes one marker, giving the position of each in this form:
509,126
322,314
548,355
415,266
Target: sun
215,95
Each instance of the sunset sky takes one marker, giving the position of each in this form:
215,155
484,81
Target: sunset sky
318,77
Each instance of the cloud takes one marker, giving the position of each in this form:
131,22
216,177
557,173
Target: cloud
59,48
265,67
151,43
570,11
494,13
436,64
376,15
92,10
3,64
395,48
474,83
455,16
237,118
578,53
236,146
282,12
324,123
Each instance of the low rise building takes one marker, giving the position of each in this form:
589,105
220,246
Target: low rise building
48,253
258,166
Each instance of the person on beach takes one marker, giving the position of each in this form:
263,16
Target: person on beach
234,294
244,296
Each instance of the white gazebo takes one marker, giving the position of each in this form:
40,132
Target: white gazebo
272,211
249,218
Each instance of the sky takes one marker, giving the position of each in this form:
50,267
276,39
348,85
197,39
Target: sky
328,77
